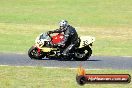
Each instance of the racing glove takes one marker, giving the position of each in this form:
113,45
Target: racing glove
49,32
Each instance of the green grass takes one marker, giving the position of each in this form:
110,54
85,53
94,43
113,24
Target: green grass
78,12
108,20
22,20
109,41
40,77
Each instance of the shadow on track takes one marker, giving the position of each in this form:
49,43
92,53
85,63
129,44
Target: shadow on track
94,60
58,59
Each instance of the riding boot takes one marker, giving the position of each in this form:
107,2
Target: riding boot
68,50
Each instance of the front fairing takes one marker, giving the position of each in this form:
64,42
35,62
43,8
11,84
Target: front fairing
41,42
42,39
45,37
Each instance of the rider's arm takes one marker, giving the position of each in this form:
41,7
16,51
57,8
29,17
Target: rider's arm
57,31
63,43
66,36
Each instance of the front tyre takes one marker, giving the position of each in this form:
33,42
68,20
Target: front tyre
83,54
33,53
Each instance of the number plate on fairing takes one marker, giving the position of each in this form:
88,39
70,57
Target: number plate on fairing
86,40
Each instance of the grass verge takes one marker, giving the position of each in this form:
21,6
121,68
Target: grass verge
81,13
109,41
109,21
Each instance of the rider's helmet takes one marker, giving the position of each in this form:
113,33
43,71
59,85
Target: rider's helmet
63,24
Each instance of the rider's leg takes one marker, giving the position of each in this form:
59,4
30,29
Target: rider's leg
68,49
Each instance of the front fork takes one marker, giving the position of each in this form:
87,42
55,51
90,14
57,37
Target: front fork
38,50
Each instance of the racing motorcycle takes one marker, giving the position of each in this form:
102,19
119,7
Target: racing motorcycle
43,48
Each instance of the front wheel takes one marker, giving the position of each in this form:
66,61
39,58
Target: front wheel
33,53
83,54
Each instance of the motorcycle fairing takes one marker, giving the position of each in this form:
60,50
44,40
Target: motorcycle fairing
86,40
57,38
45,49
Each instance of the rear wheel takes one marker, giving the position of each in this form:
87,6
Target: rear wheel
83,54
33,53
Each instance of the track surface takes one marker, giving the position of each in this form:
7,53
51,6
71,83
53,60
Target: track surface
95,62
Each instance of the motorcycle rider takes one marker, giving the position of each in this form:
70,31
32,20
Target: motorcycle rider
71,39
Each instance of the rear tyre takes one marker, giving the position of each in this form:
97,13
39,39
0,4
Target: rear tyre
33,53
83,54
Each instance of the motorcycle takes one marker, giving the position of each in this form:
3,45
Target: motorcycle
43,48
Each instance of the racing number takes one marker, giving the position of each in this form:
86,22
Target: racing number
85,43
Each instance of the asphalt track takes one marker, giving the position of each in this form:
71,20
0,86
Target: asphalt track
95,62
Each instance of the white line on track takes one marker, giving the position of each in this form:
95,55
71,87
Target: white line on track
126,56
52,67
